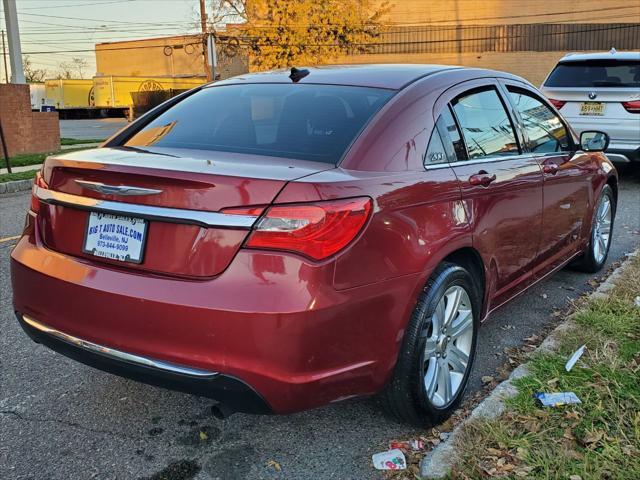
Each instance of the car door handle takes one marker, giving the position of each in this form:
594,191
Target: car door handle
482,178
550,168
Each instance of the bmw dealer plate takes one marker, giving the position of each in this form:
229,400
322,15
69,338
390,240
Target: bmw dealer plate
592,108
115,237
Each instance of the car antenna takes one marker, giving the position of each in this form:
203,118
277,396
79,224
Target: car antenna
298,74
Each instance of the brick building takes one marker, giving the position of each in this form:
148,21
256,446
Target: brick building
26,131
525,37
175,56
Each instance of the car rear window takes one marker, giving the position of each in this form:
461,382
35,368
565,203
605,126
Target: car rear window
306,122
596,73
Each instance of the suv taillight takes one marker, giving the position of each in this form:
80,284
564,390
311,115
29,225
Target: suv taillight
632,107
557,103
37,182
316,230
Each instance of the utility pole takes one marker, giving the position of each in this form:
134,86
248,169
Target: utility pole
4,56
205,39
15,52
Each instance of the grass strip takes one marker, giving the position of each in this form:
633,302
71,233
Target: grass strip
10,177
597,439
79,141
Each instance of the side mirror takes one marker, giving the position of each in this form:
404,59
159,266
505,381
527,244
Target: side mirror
594,141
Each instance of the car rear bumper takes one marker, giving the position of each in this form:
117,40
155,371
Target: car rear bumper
272,325
624,144
223,388
623,152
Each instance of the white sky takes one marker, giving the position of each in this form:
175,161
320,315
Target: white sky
63,25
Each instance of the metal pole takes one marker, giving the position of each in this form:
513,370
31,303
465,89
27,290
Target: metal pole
203,24
15,51
4,56
212,54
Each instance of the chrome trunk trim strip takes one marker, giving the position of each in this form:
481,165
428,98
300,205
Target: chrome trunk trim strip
118,354
163,214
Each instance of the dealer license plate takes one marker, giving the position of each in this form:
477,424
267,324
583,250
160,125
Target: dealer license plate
115,237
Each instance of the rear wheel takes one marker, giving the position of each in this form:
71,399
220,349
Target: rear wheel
438,349
596,254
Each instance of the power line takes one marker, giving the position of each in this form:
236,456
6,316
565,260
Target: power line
104,49
504,17
78,5
101,20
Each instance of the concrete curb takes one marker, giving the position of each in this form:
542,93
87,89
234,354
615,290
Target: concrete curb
16,186
439,462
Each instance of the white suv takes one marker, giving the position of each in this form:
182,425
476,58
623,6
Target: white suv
600,91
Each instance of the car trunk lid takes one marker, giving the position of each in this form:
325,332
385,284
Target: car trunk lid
184,197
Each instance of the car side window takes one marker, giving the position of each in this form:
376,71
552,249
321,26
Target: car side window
545,130
485,124
436,153
451,136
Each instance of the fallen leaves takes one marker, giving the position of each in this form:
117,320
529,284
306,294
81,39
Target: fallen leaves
591,437
501,461
487,379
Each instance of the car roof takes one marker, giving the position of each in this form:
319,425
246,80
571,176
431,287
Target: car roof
391,76
610,55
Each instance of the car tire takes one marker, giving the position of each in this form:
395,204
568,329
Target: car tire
595,256
410,395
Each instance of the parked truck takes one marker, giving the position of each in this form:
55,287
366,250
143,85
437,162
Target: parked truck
119,92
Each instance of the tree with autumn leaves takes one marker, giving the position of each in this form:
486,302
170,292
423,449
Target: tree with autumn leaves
286,33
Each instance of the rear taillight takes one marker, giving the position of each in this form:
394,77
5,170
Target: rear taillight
557,103
632,107
40,183
316,230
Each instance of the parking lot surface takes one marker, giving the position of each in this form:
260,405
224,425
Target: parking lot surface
62,420
97,129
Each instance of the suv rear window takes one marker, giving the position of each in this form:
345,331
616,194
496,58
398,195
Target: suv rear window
595,73
306,122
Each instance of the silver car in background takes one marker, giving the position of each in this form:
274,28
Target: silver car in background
600,91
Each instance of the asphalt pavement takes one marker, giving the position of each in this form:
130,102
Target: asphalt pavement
62,420
93,129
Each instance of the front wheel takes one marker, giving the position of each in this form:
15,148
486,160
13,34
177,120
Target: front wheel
596,254
438,349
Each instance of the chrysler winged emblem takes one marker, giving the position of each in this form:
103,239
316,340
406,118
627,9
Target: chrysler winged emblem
123,190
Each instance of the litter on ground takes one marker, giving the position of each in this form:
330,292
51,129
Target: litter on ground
556,399
389,460
574,358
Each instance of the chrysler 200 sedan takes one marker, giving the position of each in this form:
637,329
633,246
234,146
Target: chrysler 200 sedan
282,241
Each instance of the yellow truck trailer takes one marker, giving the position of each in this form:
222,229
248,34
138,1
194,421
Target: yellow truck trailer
68,94
116,91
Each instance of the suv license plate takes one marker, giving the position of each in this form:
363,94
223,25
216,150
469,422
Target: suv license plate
592,108
115,237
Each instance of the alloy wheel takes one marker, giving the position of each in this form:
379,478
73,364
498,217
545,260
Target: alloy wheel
602,229
448,343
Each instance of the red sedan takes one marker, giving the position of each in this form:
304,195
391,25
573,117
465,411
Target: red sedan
281,241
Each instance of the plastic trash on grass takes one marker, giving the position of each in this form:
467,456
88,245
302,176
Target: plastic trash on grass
574,358
414,445
389,460
556,399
